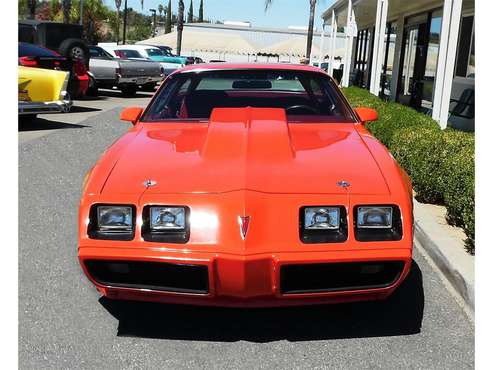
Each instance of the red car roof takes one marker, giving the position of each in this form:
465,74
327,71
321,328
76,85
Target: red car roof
280,66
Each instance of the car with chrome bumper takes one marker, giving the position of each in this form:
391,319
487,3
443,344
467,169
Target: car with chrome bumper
126,75
247,185
42,91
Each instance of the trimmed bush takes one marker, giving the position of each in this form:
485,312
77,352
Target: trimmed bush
439,162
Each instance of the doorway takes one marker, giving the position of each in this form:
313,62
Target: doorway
419,57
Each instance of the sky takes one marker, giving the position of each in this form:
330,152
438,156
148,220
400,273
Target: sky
281,14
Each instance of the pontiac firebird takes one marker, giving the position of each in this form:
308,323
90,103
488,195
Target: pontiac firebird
246,185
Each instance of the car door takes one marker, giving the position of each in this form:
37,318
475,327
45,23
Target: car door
102,65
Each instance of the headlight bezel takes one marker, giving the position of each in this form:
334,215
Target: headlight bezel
320,235
94,231
175,236
376,233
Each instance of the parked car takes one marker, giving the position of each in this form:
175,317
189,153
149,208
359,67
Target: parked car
127,75
64,38
38,56
42,91
168,64
247,185
168,51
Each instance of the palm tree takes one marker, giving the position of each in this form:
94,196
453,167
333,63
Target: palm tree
66,6
167,25
190,13
201,11
160,9
309,39
118,5
179,27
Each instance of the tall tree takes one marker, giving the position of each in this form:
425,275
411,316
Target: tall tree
66,7
160,9
201,11
118,5
190,13
32,8
179,27
167,25
309,38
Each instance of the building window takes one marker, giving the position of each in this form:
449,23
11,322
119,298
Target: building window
362,59
465,54
387,68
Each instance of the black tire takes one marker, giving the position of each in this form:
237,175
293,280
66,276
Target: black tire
129,91
93,87
149,87
75,49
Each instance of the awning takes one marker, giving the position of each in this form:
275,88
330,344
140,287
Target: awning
205,41
295,47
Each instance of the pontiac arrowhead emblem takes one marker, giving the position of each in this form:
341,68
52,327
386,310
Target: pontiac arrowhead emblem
244,223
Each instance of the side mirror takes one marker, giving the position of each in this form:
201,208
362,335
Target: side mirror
131,114
366,114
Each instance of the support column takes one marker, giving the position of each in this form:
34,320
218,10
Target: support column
449,36
378,45
332,48
349,45
321,55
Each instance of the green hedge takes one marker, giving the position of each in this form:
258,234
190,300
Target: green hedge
439,162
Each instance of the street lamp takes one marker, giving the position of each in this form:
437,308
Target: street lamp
153,11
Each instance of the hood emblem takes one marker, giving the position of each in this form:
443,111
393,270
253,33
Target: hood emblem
343,184
148,183
244,223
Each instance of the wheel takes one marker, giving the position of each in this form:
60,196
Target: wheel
129,90
93,87
150,87
75,49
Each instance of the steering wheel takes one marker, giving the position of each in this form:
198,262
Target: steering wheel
302,107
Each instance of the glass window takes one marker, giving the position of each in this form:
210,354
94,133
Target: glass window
390,38
431,59
465,53
154,52
306,96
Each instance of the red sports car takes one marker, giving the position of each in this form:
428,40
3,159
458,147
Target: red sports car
247,185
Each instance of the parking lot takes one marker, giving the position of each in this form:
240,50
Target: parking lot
65,324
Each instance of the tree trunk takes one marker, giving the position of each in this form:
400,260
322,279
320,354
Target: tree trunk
201,11
179,27
66,5
167,25
309,38
32,9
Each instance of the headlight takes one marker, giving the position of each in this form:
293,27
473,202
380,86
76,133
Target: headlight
375,217
111,222
319,218
166,224
167,218
377,223
323,224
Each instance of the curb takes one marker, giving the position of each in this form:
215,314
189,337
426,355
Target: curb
447,253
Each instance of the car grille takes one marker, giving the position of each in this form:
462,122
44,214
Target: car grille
150,275
329,277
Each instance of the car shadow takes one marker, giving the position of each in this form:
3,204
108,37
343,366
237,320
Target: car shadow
400,314
104,94
41,124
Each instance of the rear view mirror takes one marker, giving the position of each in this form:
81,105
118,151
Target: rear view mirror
131,114
366,114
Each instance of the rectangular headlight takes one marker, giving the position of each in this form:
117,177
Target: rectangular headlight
374,217
322,218
114,219
167,218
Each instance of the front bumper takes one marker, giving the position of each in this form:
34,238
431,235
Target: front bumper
244,280
58,106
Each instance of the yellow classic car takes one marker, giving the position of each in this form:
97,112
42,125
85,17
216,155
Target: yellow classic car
42,91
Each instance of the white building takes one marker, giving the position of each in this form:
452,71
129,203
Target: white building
419,53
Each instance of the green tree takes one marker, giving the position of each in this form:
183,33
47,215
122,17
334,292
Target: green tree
67,7
179,26
309,38
190,13
118,5
201,11
167,26
160,9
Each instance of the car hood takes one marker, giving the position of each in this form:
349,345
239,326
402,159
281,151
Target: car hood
176,60
246,149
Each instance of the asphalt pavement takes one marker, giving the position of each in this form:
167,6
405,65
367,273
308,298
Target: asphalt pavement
63,322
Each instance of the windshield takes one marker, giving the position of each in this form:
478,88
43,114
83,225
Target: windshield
128,54
154,52
306,96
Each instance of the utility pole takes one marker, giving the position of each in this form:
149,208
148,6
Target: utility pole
154,29
124,22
